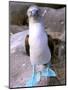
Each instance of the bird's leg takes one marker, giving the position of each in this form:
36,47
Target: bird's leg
34,78
33,73
33,70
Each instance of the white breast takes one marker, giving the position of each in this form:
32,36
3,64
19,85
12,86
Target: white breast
38,40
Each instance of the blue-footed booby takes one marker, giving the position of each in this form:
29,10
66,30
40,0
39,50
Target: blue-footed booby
40,55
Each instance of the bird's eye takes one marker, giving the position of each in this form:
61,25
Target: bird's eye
38,11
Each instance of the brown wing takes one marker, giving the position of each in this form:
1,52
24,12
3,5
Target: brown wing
27,45
51,44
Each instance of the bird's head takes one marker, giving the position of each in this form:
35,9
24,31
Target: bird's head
34,12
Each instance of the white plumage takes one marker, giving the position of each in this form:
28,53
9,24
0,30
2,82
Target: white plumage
38,40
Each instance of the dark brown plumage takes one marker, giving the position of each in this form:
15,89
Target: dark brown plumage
51,44
27,45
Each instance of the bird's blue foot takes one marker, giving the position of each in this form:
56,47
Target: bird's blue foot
33,80
48,72
36,76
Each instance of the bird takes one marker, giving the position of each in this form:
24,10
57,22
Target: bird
40,55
